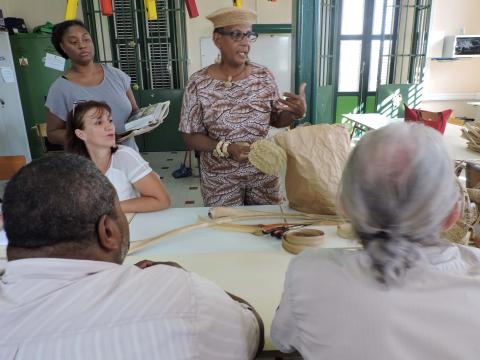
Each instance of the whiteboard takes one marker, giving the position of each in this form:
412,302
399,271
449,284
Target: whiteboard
270,50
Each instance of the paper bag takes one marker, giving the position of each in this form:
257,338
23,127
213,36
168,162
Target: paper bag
316,156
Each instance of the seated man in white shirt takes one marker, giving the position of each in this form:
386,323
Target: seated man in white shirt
410,294
65,295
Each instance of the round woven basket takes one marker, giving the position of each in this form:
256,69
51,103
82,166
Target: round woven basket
295,241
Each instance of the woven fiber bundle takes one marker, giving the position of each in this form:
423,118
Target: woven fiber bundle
345,231
267,156
462,231
471,132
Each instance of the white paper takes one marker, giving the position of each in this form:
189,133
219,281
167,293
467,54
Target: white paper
3,238
7,74
54,62
139,120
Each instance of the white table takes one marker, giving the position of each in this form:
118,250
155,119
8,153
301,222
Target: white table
477,105
457,146
252,267
371,121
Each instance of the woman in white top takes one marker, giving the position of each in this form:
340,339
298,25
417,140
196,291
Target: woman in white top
410,294
91,133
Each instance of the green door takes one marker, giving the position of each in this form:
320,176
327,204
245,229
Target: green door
360,42
34,80
165,137
382,51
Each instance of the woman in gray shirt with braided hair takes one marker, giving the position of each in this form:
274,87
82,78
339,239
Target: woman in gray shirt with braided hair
85,80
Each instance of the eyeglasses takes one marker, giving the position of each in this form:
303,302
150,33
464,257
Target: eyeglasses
237,35
75,103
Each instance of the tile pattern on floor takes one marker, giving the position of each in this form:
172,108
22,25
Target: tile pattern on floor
184,192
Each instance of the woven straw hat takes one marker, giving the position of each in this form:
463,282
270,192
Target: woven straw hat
232,16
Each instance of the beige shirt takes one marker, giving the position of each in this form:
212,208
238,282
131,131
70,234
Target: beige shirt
78,309
332,308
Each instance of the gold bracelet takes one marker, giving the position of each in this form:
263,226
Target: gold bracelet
225,148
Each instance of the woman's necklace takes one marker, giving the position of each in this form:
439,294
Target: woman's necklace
228,83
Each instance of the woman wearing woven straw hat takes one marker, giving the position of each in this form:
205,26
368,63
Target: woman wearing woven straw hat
410,294
228,106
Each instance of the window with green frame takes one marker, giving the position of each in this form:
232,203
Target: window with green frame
151,52
353,48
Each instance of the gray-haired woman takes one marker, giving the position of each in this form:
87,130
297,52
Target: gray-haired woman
410,294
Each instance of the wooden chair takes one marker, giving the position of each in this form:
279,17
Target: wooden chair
41,131
9,165
47,146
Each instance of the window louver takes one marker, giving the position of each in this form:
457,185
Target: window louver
159,48
151,52
125,33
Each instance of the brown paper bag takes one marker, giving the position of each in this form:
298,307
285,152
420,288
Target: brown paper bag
316,156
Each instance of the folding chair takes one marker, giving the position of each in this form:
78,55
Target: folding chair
9,165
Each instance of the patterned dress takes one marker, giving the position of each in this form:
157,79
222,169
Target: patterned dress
237,113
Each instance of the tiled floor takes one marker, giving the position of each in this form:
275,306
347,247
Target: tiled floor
184,192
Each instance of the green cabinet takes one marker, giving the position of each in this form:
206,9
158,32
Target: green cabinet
34,80
166,137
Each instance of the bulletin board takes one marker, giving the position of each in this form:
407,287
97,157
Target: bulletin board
270,50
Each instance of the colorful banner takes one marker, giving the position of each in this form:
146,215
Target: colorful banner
71,12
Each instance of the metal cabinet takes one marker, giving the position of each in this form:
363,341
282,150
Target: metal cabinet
13,137
34,80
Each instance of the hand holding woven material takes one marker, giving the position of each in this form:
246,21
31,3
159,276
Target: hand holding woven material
471,132
267,156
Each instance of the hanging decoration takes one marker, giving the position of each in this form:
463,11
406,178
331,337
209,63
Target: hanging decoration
106,7
238,3
151,9
191,8
71,12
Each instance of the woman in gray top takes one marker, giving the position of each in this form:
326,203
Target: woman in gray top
85,80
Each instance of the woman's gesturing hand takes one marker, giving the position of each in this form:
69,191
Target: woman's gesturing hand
294,103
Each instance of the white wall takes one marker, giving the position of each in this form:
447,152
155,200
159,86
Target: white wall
37,12
279,12
453,79
6,6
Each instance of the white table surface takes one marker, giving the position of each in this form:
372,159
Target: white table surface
477,105
457,146
372,120
252,267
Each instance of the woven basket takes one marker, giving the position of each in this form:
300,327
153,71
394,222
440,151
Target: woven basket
462,232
